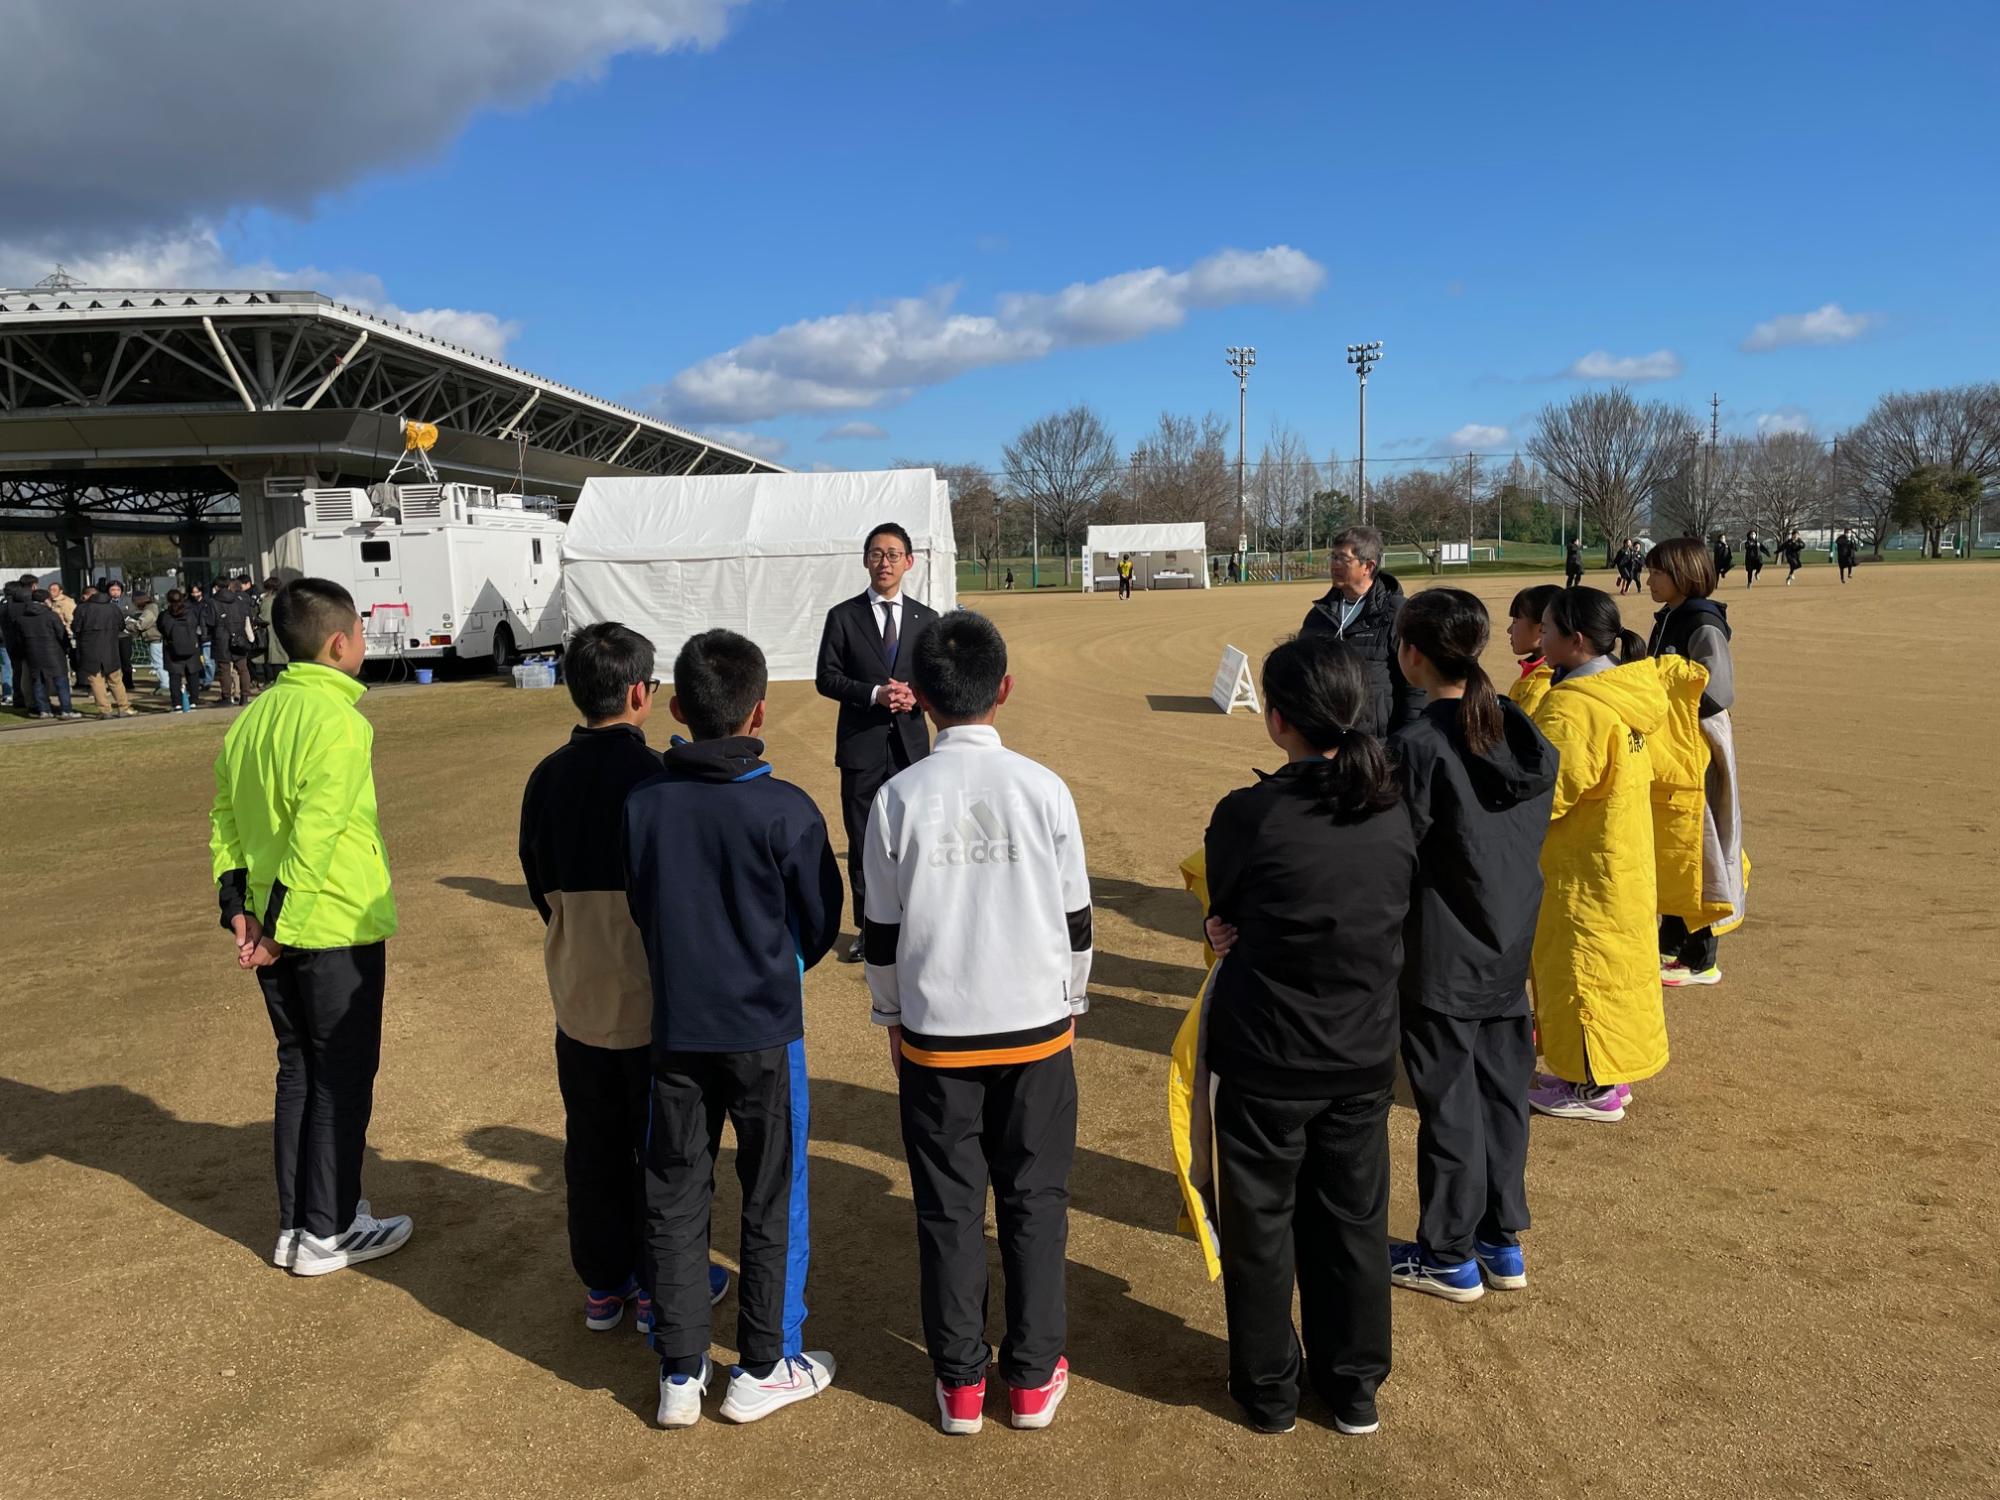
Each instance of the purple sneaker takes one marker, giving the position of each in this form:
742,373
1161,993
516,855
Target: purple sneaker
1578,1101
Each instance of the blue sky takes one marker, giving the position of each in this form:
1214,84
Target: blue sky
1498,193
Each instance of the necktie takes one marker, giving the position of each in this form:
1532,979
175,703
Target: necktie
889,634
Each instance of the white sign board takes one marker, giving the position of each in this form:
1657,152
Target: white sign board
1459,553
1233,688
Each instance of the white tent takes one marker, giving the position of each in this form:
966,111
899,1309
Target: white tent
763,554
1165,555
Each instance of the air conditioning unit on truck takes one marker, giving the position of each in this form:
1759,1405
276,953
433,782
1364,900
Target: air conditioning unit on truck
441,570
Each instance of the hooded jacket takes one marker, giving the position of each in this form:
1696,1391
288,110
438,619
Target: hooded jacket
146,622
180,634
44,638
1528,690
1372,634
736,893
1305,1002
98,625
1698,630
1598,1005
572,816
1680,772
1479,819
235,614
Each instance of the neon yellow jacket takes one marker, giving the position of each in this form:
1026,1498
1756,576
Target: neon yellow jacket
1598,1002
295,808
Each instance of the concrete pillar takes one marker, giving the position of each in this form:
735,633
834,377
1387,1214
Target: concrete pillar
73,549
195,539
274,517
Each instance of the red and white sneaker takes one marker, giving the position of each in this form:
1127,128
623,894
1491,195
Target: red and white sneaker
1035,1406
961,1408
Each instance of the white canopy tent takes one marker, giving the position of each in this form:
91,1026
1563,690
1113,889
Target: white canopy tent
1165,555
762,554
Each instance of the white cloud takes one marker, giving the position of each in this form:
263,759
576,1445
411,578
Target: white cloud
1784,419
758,444
196,258
1831,324
123,118
1473,437
858,431
1661,364
856,360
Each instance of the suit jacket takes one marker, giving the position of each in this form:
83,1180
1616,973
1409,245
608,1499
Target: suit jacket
851,667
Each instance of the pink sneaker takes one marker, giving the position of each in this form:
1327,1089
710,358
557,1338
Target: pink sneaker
1578,1101
961,1408
1036,1406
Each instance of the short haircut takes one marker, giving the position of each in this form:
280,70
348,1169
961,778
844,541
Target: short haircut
1365,542
307,612
601,665
39,596
1687,563
959,664
890,528
719,678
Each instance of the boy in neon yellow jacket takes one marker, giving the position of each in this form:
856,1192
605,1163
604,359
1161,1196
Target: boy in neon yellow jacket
304,889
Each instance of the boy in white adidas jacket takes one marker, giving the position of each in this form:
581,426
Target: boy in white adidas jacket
977,940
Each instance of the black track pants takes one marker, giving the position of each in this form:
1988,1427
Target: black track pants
605,1092
1471,1082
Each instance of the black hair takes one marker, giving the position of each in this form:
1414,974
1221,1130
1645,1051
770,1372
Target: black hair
890,528
719,678
1533,602
1448,628
601,665
1593,614
309,610
959,664
1317,684
40,596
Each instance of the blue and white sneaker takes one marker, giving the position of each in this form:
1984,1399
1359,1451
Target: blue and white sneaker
604,1310
1503,1266
718,1284
680,1397
367,1238
1411,1267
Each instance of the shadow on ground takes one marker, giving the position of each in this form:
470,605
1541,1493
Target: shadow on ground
499,892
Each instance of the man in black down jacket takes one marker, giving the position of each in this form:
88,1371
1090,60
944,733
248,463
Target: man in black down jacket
1361,609
47,643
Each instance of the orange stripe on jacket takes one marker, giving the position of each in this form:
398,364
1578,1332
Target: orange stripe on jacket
992,1057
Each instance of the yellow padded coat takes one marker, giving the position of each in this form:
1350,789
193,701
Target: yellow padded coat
1680,771
1598,1003
1528,692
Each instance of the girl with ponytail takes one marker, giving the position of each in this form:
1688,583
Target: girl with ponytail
1598,1004
1309,876
1479,781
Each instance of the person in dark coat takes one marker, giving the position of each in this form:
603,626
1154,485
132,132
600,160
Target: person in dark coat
180,630
1725,558
98,628
1361,610
1479,782
235,635
12,599
1753,559
46,641
115,592
1573,565
201,606
1793,550
864,656
1847,551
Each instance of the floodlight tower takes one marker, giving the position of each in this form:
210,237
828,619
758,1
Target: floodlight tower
1241,358
1363,357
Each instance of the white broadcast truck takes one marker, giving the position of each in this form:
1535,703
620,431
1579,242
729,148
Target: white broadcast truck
441,570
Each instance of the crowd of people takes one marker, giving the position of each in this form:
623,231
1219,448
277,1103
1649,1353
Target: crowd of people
1436,870
195,638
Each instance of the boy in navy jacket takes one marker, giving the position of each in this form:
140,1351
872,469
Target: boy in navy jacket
736,893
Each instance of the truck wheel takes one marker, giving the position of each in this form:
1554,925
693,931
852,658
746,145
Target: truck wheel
503,649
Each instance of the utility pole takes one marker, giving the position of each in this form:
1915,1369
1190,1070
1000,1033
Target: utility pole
1708,464
1241,358
1363,358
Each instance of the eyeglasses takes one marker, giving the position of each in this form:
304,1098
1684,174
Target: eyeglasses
653,684
1341,559
879,555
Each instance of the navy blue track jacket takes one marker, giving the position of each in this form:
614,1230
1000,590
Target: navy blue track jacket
736,892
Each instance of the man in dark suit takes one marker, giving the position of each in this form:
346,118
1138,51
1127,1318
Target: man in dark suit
863,666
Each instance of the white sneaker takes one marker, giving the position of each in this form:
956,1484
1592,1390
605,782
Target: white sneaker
288,1249
680,1397
367,1238
799,1378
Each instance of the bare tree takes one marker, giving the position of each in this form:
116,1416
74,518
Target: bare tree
1611,455
1182,471
1704,492
1419,509
1061,467
1956,429
1783,476
977,509
1282,490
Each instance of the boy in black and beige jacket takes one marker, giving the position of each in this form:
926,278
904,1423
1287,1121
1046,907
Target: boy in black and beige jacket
978,944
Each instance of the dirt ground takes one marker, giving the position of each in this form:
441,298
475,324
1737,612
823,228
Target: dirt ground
1774,1279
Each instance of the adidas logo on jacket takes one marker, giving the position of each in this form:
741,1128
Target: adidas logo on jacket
977,933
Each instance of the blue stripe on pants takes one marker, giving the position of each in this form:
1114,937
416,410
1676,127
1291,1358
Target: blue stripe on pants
798,1238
